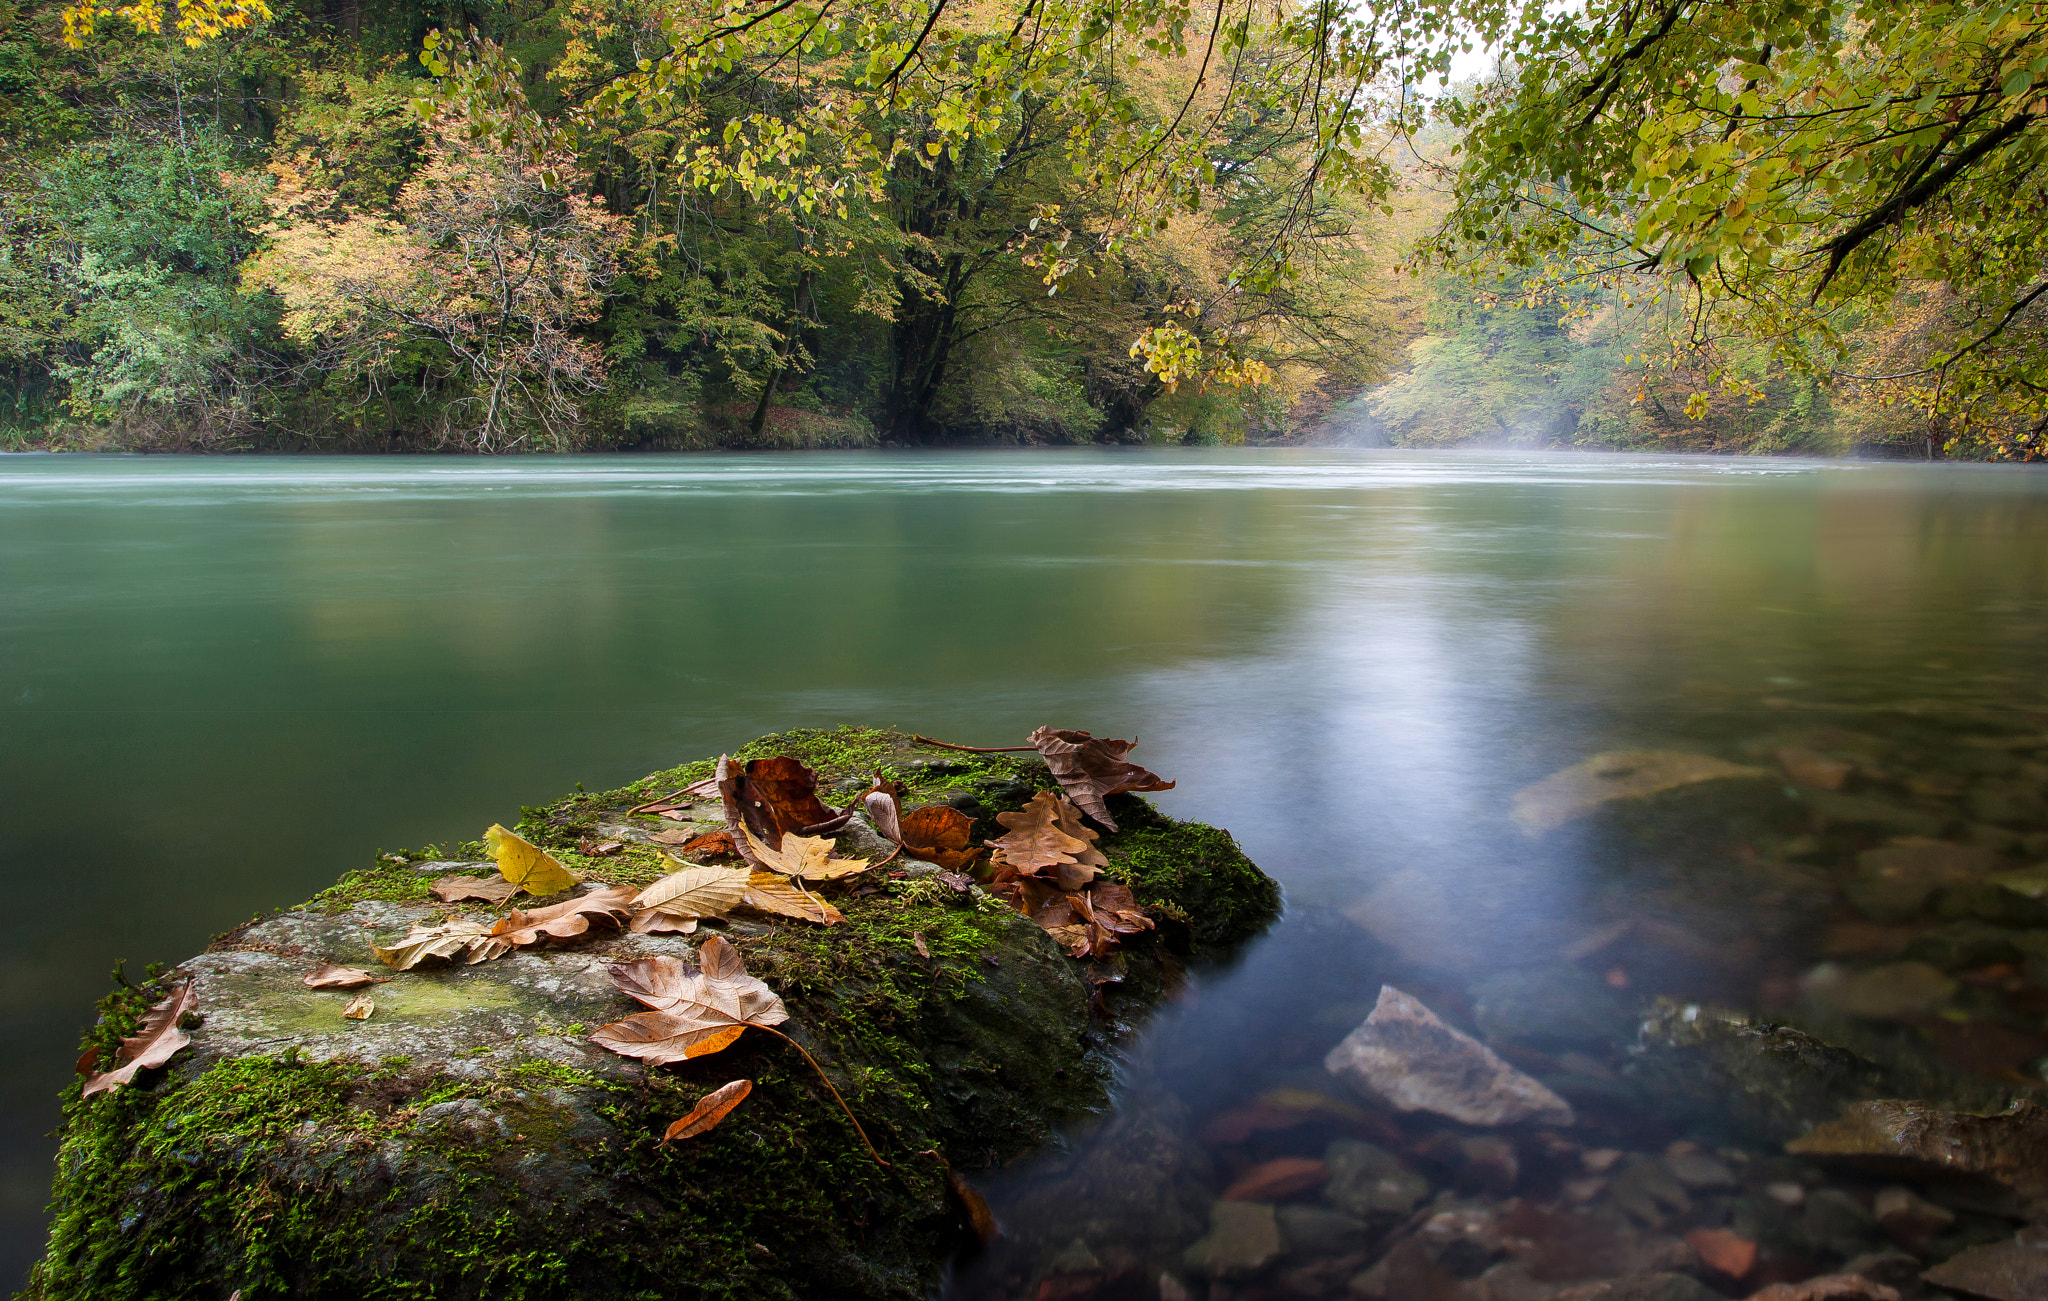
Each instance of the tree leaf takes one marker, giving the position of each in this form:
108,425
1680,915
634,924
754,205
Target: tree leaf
151,1045
696,1011
526,865
939,833
482,941
491,889
1047,838
329,976
710,1109
360,1007
1091,769
688,895
446,940
769,892
809,857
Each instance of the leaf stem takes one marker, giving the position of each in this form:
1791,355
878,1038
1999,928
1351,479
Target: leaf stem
835,1092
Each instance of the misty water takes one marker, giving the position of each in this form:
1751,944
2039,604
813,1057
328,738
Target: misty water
223,682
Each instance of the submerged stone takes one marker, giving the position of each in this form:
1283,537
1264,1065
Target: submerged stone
468,1140
1243,1238
1897,989
2005,1271
2009,1149
1369,1181
1894,882
1404,1056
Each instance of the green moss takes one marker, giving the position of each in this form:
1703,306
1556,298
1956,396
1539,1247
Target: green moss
950,1025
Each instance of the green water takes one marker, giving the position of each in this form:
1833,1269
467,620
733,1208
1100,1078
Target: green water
223,682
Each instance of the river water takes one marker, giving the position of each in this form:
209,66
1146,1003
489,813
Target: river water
225,681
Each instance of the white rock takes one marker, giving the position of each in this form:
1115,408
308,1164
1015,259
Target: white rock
1405,1057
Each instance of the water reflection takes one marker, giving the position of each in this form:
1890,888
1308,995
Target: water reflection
223,682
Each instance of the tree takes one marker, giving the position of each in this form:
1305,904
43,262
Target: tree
1855,184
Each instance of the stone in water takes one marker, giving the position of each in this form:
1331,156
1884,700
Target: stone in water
1404,1056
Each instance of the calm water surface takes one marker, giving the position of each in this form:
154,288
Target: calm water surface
223,682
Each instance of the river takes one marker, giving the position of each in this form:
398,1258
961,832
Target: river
225,681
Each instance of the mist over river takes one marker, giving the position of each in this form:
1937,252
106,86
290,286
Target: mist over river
223,682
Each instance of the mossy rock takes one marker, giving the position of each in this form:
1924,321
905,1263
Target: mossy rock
469,1141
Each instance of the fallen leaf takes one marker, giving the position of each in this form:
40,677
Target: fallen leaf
809,857
1091,769
979,1216
560,921
774,798
698,844
360,1007
153,1043
1282,1177
1615,775
329,976
882,811
526,865
769,892
1724,1250
446,940
599,849
710,1109
917,942
491,889
939,833
696,1011
89,1060
699,1010
1047,838
688,895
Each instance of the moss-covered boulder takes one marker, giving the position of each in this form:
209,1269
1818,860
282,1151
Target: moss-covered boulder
469,1141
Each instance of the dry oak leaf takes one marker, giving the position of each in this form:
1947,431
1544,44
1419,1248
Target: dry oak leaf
809,857
936,833
710,1109
1091,769
774,798
696,1010
360,1007
769,892
526,865
491,889
447,940
678,900
153,1043
1048,839
329,976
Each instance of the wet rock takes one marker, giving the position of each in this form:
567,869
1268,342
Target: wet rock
1833,807
1894,990
1368,1181
1075,1258
1828,1287
1314,1231
1405,1057
1837,1223
1647,1191
1243,1238
1615,775
1550,1006
1894,882
2014,898
1894,1269
1909,1219
1489,1162
1999,799
1641,1287
1698,1170
1967,945
1724,1251
1760,1082
1510,1280
2009,1149
2004,1271
1811,768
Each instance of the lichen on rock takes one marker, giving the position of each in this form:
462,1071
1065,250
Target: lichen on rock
467,1140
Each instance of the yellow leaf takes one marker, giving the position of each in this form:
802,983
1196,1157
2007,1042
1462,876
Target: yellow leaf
527,866
809,857
769,893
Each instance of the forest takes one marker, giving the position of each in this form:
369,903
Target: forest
375,225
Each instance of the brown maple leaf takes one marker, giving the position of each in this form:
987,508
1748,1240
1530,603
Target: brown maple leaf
153,1044
490,889
1092,769
1047,838
710,1109
697,1011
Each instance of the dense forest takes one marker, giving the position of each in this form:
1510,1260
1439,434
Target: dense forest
515,225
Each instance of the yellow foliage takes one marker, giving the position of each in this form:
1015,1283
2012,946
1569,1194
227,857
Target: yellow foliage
198,21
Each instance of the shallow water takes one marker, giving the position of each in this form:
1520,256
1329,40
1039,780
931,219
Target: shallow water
223,682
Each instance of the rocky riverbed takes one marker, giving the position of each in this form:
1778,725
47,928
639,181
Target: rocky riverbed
467,1138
